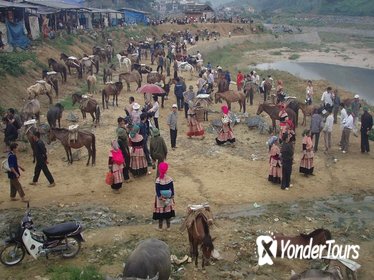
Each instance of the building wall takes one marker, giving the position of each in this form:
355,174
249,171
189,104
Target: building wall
134,17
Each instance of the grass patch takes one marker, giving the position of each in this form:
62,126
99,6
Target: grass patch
67,103
276,53
294,56
63,43
74,273
13,63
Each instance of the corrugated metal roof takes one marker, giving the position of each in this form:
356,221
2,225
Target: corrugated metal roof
95,10
54,4
133,10
6,4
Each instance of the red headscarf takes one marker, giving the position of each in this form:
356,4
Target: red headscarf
162,169
290,124
225,109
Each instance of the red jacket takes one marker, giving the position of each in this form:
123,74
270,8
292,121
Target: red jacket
239,79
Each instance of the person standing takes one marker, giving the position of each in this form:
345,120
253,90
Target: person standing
210,80
355,106
144,131
10,132
129,107
115,165
155,110
175,67
172,123
306,163
316,125
178,91
327,130
187,97
158,148
138,162
14,174
167,66
225,134
347,128
327,99
366,126
41,161
287,152
123,143
309,93
194,127
135,114
239,81
336,105
160,64
164,198
200,83
275,171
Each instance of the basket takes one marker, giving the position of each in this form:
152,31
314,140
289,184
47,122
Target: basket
199,114
15,232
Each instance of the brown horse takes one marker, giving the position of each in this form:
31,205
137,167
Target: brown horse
273,112
51,79
231,96
40,88
58,67
267,88
111,89
307,111
133,76
31,109
100,52
155,77
72,63
91,83
108,73
198,233
318,237
84,138
87,106
223,85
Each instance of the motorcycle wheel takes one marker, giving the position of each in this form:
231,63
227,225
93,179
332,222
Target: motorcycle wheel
12,254
72,247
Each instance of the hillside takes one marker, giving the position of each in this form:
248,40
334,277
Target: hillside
331,7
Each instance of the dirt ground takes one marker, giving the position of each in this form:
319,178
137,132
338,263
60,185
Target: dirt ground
228,177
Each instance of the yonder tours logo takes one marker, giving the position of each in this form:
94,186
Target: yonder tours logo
268,249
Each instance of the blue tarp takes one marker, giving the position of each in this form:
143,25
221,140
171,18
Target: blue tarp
16,36
134,17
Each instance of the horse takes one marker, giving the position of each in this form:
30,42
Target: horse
294,105
29,132
141,68
156,53
88,62
100,52
124,60
54,114
58,67
111,89
155,77
40,88
109,50
273,112
84,138
318,237
72,62
133,76
267,88
108,73
87,106
198,233
91,83
186,67
231,96
31,109
307,111
51,79
223,85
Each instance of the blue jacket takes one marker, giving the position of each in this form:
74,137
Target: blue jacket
179,89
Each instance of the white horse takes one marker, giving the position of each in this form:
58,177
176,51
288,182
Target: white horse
91,83
124,60
40,88
186,67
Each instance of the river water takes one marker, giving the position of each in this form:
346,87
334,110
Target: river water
354,79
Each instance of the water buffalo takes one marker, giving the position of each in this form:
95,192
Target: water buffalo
149,260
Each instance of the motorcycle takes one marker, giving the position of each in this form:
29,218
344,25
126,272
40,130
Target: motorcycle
62,239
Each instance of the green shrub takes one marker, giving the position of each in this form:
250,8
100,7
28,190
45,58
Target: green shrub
276,53
294,56
74,273
12,63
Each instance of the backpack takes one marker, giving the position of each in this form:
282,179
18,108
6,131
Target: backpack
5,165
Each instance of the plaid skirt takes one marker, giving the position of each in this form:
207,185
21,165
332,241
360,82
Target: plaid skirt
161,211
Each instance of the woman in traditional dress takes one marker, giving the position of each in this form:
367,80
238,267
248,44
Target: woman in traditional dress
225,134
123,142
290,129
306,164
164,199
115,165
275,171
194,127
138,162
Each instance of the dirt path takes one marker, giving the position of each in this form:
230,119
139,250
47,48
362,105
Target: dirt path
226,177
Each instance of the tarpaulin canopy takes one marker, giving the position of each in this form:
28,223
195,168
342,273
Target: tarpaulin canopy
16,35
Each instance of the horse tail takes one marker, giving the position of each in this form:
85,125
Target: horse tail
244,104
64,73
97,111
55,85
103,93
93,149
